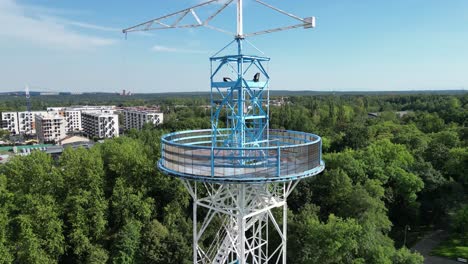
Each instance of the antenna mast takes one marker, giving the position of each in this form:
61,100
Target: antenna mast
240,19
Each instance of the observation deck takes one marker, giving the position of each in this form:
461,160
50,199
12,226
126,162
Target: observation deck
286,156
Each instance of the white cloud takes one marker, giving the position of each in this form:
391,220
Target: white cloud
91,26
159,48
42,29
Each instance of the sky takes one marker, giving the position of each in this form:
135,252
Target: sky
78,46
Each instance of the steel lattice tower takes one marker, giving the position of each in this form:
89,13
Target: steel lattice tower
240,170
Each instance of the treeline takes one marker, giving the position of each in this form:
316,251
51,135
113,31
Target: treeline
109,204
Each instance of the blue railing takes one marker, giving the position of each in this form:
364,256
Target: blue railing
286,154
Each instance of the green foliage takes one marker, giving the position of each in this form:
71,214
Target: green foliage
110,204
334,241
38,230
127,243
460,220
129,204
454,247
4,134
85,206
5,207
404,256
38,166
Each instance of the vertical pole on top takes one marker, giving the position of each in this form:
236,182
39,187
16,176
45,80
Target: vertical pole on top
240,71
240,20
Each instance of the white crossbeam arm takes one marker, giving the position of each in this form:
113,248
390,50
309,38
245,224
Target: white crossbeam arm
181,17
281,11
308,22
217,12
195,16
273,30
149,25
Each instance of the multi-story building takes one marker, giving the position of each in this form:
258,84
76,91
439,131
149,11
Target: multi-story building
100,125
136,118
72,115
20,122
105,108
73,120
10,122
50,127
27,122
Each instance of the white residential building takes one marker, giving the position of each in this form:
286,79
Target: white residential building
55,109
72,115
10,122
100,125
27,122
50,127
20,122
87,108
73,120
135,118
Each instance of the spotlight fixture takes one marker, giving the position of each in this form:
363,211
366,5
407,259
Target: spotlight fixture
227,79
256,77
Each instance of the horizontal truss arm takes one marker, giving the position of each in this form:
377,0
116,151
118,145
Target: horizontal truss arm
159,23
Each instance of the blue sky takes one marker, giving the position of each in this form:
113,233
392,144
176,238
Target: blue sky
69,45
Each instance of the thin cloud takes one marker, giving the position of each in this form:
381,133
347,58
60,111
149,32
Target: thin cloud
165,49
45,30
92,26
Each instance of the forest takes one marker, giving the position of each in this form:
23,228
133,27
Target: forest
390,178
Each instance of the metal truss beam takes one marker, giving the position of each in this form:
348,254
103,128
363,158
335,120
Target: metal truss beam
244,215
163,22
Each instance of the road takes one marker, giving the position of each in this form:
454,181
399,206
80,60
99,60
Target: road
430,241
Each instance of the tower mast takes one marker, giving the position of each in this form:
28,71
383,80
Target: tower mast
240,20
239,173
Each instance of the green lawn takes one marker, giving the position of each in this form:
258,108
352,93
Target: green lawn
454,247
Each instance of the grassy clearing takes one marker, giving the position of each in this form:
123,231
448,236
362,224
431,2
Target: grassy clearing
454,247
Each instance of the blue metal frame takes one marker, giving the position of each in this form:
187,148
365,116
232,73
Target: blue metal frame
243,102
295,155
231,179
244,149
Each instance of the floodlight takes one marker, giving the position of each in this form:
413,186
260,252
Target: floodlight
256,77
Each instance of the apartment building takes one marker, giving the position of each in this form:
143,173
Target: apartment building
72,120
72,115
100,124
84,108
137,118
20,122
10,122
27,122
50,127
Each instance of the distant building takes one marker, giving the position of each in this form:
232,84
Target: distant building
10,122
27,122
55,109
88,108
50,128
85,108
73,120
20,122
73,114
74,140
137,118
100,124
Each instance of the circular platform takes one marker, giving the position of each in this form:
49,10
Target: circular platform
286,156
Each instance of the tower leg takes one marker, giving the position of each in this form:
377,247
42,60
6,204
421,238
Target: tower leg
195,228
285,227
241,223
